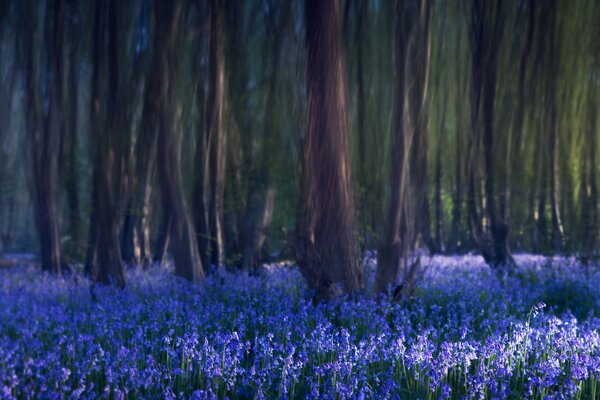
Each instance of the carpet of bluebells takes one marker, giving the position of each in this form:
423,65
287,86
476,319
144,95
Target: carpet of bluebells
464,334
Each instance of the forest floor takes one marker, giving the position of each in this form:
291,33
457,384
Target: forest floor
464,334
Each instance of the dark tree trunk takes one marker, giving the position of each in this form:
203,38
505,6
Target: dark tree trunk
72,164
326,246
106,267
135,230
182,233
485,31
44,132
362,17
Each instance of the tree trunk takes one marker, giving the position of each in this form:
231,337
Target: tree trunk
135,230
71,144
456,237
261,196
552,115
418,64
326,245
396,239
486,30
182,233
362,16
211,150
106,266
44,138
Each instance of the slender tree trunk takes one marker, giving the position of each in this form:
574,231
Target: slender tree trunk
396,240
216,136
552,87
486,30
439,212
455,239
514,151
260,201
326,246
135,230
362,16
419,58
211,149
182,233
75,222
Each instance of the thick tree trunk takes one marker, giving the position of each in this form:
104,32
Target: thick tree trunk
106,266
326,247
44,138
182,233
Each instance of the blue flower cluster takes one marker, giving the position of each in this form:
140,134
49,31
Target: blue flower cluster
465,334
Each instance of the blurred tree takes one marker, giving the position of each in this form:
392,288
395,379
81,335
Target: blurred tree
111,148
398,231
188,263
260,198
211,149
419,49
44,123
326,244
486,25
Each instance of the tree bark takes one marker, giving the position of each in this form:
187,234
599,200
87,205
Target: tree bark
261,196
211,150
106,267
418,64
326,243
71,144
396,241
182,233
44,132
485,31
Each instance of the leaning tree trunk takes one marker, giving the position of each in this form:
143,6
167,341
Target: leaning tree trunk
182,240
396,239
44,132
326,246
